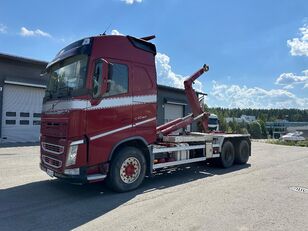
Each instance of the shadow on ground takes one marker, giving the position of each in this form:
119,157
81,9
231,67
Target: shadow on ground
55,205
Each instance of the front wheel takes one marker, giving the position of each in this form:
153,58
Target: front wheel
127,170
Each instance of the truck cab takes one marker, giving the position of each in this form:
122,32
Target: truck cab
101,94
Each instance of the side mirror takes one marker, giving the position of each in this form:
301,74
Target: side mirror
110,74
100,78
105,72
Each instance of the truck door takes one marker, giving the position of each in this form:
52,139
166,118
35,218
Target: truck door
144,102
109,119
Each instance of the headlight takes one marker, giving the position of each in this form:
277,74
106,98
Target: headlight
71,155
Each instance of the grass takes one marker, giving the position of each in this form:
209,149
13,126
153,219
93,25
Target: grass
289,143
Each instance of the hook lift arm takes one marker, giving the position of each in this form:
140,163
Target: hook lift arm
193,100
197,111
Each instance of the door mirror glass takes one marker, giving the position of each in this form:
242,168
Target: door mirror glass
100,70
97,79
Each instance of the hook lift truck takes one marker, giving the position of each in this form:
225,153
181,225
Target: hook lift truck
99,117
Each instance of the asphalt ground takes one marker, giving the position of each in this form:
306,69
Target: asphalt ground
255,196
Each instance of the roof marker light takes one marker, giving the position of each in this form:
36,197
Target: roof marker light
86,41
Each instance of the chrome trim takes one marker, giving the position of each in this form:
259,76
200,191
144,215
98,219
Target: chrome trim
143,122
77,142
121,129
50,151
110,132
96,177
51,165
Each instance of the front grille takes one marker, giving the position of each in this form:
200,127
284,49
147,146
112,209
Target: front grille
52,148
51,161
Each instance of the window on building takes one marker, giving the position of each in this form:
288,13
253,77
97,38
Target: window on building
11,114
36,122
10,122
117,79
24,114
37,115
24,122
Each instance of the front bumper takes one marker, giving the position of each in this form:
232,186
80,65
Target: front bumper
82,178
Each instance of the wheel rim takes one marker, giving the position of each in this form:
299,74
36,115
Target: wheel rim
130,170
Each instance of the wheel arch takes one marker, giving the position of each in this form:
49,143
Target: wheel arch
138,142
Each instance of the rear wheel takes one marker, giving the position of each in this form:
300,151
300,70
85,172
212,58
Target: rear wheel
127,170
227,155
242,152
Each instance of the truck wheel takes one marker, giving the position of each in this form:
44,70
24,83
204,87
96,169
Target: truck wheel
127,170
227,155
242,152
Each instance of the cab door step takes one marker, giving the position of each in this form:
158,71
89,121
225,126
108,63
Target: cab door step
96,177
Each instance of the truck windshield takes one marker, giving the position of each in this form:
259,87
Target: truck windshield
67,77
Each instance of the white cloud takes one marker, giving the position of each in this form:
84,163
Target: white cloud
28,33
235,96
3,28
115,32
289,80
166,76
130,2
299,46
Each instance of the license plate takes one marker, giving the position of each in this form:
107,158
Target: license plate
50,172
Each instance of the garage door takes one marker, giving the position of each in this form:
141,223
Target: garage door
173,111
21,113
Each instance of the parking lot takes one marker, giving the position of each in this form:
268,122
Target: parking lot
255,196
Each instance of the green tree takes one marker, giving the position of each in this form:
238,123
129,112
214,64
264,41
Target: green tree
255,130
263,129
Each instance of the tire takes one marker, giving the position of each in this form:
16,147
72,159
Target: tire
242,152
127,170
227,155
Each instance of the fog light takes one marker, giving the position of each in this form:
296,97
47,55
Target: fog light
72,171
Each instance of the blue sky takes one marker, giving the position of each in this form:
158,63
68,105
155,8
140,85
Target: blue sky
257,50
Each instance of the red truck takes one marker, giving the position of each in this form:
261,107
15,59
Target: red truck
99,117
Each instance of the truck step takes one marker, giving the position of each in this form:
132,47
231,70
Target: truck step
96,177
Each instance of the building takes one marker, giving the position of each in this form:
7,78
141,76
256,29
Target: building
22,90
280,127
242,119
21,94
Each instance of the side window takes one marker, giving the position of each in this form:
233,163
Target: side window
97,79
117,79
